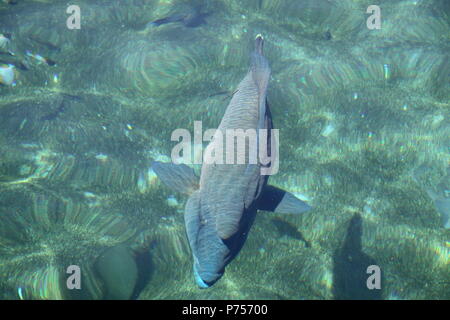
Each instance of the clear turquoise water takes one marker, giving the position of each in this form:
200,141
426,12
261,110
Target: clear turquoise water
364,137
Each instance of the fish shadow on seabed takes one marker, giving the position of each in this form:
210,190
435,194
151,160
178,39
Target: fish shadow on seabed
350,267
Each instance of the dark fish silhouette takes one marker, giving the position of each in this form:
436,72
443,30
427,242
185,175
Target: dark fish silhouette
16,63
10,1
223,202
438,193
192,19
41,59
327,35
61,108
44,43
7,53
5,39
53,115
7,35
11,58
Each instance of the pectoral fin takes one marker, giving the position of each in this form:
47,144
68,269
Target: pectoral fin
178,177
280,201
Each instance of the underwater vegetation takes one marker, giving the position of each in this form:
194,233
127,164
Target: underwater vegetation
48,235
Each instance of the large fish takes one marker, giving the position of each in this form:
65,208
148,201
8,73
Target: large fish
223,202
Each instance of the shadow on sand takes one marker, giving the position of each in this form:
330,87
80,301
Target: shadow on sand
350,267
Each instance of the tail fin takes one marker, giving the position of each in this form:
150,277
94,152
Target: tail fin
259,43
259,63
260,72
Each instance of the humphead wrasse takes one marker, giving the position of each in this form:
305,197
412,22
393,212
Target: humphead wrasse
223,201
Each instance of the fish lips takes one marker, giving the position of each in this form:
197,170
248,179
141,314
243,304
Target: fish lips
206,279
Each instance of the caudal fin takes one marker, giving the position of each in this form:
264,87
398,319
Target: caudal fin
259,43
260,73
259,63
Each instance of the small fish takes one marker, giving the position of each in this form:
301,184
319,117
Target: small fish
7,53
21,65
11,58
44,43
441,202
12,2
18,64
20,293
387,71
223,201
5,38
7,74
443,206
226,94
61,108
53,115
439,193
40,58
327,35
192,19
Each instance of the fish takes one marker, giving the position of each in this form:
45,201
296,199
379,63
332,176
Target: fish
5,38
44,43
40,58
22,65
18,64
327,35
7,74
224,200
53,115
441,200
439,193
12,2
10,57
443,207
65,99
7,53
192,19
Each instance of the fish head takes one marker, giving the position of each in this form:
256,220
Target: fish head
210,259
205,275
216,234
209,252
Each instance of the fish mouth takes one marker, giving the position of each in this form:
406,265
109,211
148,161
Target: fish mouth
202,284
